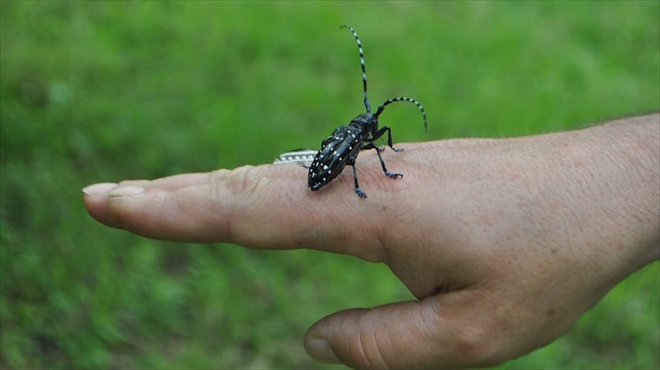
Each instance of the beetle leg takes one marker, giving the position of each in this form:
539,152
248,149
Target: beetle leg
380,133
357,187
382,163
351,162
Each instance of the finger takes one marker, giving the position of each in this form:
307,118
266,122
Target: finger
95,198
97,195
262,207
171,182
192,179
426,334
183,207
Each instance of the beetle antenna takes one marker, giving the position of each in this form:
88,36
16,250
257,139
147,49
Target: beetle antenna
403,98
364,71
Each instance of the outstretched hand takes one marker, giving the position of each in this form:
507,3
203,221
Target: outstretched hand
504,243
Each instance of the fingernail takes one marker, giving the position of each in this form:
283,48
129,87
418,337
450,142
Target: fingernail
126,191
320,350
99,188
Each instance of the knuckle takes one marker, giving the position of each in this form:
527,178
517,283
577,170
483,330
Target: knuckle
241,182
481,344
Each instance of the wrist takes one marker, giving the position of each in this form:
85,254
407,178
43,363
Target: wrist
627,183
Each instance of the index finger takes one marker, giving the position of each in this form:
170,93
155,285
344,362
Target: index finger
267,207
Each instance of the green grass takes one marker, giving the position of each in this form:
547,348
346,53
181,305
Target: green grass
105,91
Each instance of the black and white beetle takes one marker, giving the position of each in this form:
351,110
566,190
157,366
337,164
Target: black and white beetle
345,143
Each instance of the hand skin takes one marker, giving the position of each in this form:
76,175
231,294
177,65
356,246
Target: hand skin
504,242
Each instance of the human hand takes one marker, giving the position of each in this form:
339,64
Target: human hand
505,243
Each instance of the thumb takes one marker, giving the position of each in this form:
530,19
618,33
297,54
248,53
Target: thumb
402,335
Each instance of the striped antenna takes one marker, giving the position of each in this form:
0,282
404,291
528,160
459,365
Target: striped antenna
364,71
402,98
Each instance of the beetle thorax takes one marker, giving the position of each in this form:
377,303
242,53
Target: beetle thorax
367,122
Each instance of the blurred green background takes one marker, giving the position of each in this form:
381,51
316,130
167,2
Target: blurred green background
105,91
